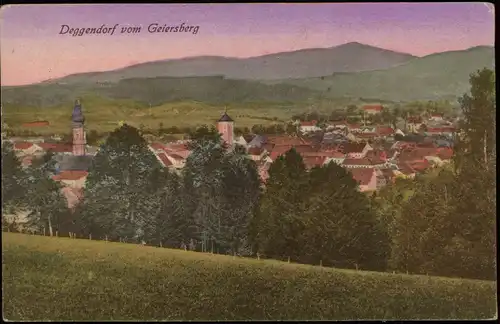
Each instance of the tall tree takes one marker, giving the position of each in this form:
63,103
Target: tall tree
13,178
241,189
203,186
341,229
120,196
45,202
280,216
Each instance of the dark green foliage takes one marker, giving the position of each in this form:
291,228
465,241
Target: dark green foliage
13,178
216,182
280,217
447,227
46,205
121,191
341,229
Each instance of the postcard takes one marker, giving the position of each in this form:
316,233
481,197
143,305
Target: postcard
264,161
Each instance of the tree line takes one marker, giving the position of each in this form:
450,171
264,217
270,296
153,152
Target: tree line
442,223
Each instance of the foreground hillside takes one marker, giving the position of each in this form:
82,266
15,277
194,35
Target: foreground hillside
62,279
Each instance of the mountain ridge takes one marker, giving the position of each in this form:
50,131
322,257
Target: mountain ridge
308,62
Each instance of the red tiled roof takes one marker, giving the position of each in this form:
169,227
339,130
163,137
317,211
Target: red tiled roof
36,123
22,145
405,168
436,115
157,146
57,147
268,147
176,147
286,140
175,156
354,126
385,130
164,159
255,151
362,175
417,154
373,107
70,175
445,153
420,165
352,147
350,161
326,154
308,123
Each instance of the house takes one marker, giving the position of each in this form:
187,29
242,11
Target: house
264,171
164,160
354,128
178,161
63,148
414,123
339,125
256,153
73,196
364,163
243,140
372,109
355,150
71,178
384,131
309,126
404,171
366,178
257,141
436,117
26,148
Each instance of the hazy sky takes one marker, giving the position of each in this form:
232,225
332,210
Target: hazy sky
32,49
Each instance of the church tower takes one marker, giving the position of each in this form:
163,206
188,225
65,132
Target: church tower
225,127
79,138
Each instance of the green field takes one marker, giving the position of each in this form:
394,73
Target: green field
75,279
103,114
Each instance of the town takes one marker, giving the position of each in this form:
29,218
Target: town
375,154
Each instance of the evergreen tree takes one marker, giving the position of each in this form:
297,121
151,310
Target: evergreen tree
120,196
280,221
341,229
241,190
45,202
203,186
13,177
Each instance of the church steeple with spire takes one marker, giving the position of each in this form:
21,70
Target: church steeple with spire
79,138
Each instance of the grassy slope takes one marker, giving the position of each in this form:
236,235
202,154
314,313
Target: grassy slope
63,279
444,75
103,114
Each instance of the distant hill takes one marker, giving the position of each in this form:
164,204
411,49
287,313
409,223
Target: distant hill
443,75
438,76
155,91
313,62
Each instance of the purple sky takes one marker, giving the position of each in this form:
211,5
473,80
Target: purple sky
32,49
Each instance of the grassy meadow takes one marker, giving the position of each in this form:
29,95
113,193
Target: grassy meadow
48,278
103,114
